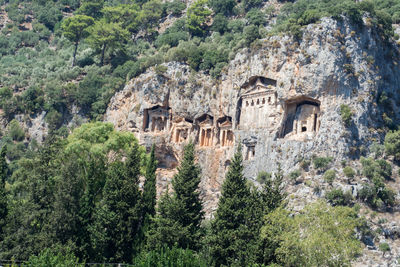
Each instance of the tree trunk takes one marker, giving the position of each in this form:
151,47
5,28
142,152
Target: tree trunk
102,55
74,58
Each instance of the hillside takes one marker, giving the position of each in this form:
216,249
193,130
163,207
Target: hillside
307,92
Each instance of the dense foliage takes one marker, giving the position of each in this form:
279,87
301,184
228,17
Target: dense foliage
78,197
43,39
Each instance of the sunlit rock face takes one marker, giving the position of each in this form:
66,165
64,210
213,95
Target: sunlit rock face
280,101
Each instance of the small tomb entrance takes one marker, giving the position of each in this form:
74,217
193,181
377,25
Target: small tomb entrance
226,137
156,119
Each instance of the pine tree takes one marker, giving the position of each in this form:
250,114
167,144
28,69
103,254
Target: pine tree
3,194
231,238
117,216
149,188
180,215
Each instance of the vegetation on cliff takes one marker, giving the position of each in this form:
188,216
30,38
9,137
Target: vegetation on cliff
78,196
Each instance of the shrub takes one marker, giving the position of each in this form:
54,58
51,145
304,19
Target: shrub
256,16
251,33
376,194
176,7
384,247
220,24
160,69
330,176
15,131
322,163
49,258
346,114
378,169
169,257
224,7
248,4
336,197
305,164
294,174
263,176
349,172
377,149
173,35
392,144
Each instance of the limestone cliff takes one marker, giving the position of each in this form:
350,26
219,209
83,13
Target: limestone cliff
279,99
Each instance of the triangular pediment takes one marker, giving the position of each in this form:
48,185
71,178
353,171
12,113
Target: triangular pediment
226,124
206,122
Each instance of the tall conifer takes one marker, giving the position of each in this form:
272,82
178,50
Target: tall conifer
117,217
3,195
230,235
149,188
180,215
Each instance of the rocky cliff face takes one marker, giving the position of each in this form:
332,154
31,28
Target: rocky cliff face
280,99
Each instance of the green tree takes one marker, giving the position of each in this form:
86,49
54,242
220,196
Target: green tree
107,36
117,217
30,207
197,16
230,235
319,236
149,188
75,29
346,114
223,7
180,215
81,178
91,8
150,14
126,14
3,194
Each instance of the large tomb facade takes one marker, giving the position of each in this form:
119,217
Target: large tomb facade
258,102
206,131
156,119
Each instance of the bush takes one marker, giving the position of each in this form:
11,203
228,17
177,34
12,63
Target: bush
346,114
15,131
220,24
305,164
322,163
160,69
336,197
49,258
224,7
176,7
376,194
169,257
251,33
248,4
392,144
256,17
384,247
349,172
378,169
263,176
294,174
330,176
